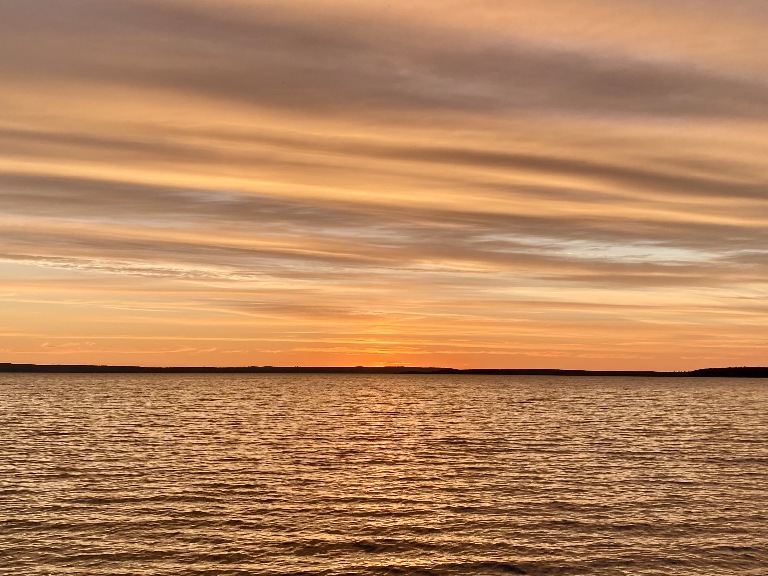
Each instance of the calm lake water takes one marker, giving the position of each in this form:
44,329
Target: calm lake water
369,475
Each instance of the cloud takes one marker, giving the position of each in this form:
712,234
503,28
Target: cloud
318,60
424,170
163,231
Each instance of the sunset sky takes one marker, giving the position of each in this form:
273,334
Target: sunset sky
466,183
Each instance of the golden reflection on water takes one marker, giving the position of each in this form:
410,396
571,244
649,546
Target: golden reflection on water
326,474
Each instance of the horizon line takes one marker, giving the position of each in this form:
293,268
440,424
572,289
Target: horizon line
743,371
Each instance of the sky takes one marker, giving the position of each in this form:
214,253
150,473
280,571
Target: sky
573,184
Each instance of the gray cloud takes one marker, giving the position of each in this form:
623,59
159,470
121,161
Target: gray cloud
272,57
346,236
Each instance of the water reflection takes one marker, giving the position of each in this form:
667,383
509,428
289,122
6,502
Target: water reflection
304,474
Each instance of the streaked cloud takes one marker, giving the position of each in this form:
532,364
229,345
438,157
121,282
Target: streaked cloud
453,183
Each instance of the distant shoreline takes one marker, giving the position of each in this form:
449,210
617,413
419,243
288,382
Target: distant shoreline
732,372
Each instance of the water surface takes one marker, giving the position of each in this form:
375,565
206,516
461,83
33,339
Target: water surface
278,474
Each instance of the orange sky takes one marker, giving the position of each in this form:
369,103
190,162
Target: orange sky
493,183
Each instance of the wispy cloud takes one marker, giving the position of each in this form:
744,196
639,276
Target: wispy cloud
351,182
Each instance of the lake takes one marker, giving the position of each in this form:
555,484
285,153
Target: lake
301,474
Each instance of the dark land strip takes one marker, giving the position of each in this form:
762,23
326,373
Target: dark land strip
733,372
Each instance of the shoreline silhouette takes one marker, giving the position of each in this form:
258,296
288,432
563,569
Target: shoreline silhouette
729,372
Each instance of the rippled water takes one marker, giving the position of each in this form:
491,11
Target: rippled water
330,475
